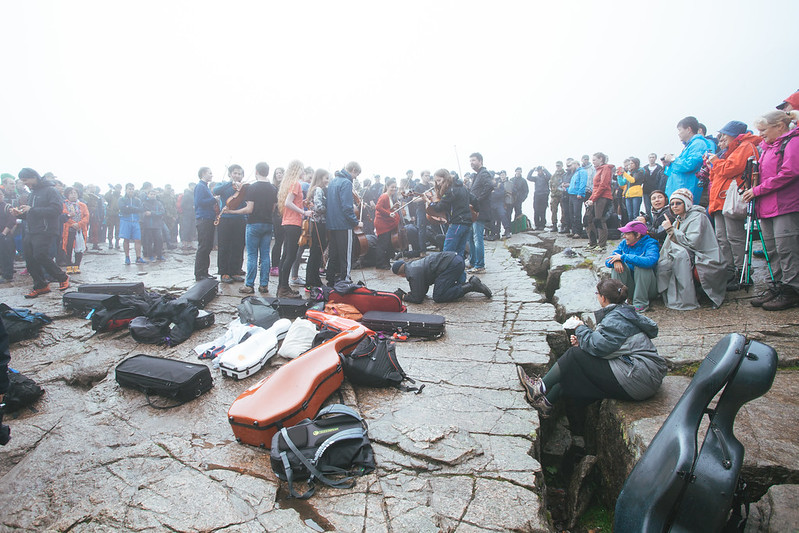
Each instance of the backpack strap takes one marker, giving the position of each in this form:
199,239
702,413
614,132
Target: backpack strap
340,409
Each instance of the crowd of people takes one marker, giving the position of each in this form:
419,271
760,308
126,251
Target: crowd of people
673,215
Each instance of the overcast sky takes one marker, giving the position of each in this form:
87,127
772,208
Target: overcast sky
108,91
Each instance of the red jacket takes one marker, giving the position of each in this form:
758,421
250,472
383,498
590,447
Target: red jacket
384,222
83,224
730,167
604,173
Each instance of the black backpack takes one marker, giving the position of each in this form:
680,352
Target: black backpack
22,324
373,363
22,392
335,442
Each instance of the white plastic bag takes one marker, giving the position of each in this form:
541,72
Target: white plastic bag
734,206
299,339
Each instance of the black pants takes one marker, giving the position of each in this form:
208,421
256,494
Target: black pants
340,255
7,253
318,245
155,241
230,245
205,243
70,247
540,202
112,229
517,210
277,243
38,260
565,212
385,251
421,226
290,247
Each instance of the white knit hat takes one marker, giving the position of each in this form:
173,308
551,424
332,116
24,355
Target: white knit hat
685,195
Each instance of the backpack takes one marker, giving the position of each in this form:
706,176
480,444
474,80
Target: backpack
373,363
335,442
22,324
22,391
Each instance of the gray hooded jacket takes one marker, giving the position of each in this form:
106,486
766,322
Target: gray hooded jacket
624,338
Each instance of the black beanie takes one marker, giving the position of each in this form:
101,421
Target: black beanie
27,173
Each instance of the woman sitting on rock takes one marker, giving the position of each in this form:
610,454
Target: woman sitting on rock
616,360
690,252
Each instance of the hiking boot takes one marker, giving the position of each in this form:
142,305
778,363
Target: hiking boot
533,387
287,292
263,289
246,289
788,298
75,270
38,292
226,278
479,286
141,261
766,296
64,285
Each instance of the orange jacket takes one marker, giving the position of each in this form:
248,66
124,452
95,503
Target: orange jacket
730,167
83,224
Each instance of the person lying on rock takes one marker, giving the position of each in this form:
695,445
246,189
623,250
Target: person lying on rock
443,270
633,263
616,360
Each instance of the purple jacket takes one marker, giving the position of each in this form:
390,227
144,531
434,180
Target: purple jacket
778,192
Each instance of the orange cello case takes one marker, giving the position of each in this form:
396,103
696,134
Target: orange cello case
293,392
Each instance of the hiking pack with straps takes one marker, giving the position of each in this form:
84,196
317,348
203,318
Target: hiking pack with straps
22,324
373,363
335,442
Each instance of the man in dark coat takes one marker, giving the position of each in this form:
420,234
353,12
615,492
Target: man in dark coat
654,180
520,192
482,185
45,205
443,270
540,176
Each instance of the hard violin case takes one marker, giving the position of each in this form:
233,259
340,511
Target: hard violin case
178,380
85,301
293,392
201,293
423,325
364,299
251,354
112,288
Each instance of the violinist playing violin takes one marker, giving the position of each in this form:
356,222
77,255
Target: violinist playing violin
386,221
230,236
451,200
419,211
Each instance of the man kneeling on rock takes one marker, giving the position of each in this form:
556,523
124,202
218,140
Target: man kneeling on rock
633,263
443,270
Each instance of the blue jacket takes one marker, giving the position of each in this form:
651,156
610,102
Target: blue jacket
156,218
644,254
340,215
578,182
129,208
204,202
682,171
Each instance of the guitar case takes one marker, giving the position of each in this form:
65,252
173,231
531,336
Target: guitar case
677,487
293,392
249,356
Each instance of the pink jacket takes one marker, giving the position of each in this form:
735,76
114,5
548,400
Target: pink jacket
778,192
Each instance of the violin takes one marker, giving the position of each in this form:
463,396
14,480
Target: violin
233,202
305,236
433,216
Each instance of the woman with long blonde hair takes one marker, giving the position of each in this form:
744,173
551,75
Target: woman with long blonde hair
290,204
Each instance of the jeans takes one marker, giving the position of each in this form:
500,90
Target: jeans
447,286
478,247
633,207
258,237
456,239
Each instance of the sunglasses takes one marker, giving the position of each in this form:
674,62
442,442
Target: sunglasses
676,202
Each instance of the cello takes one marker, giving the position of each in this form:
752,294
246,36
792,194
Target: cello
360,244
